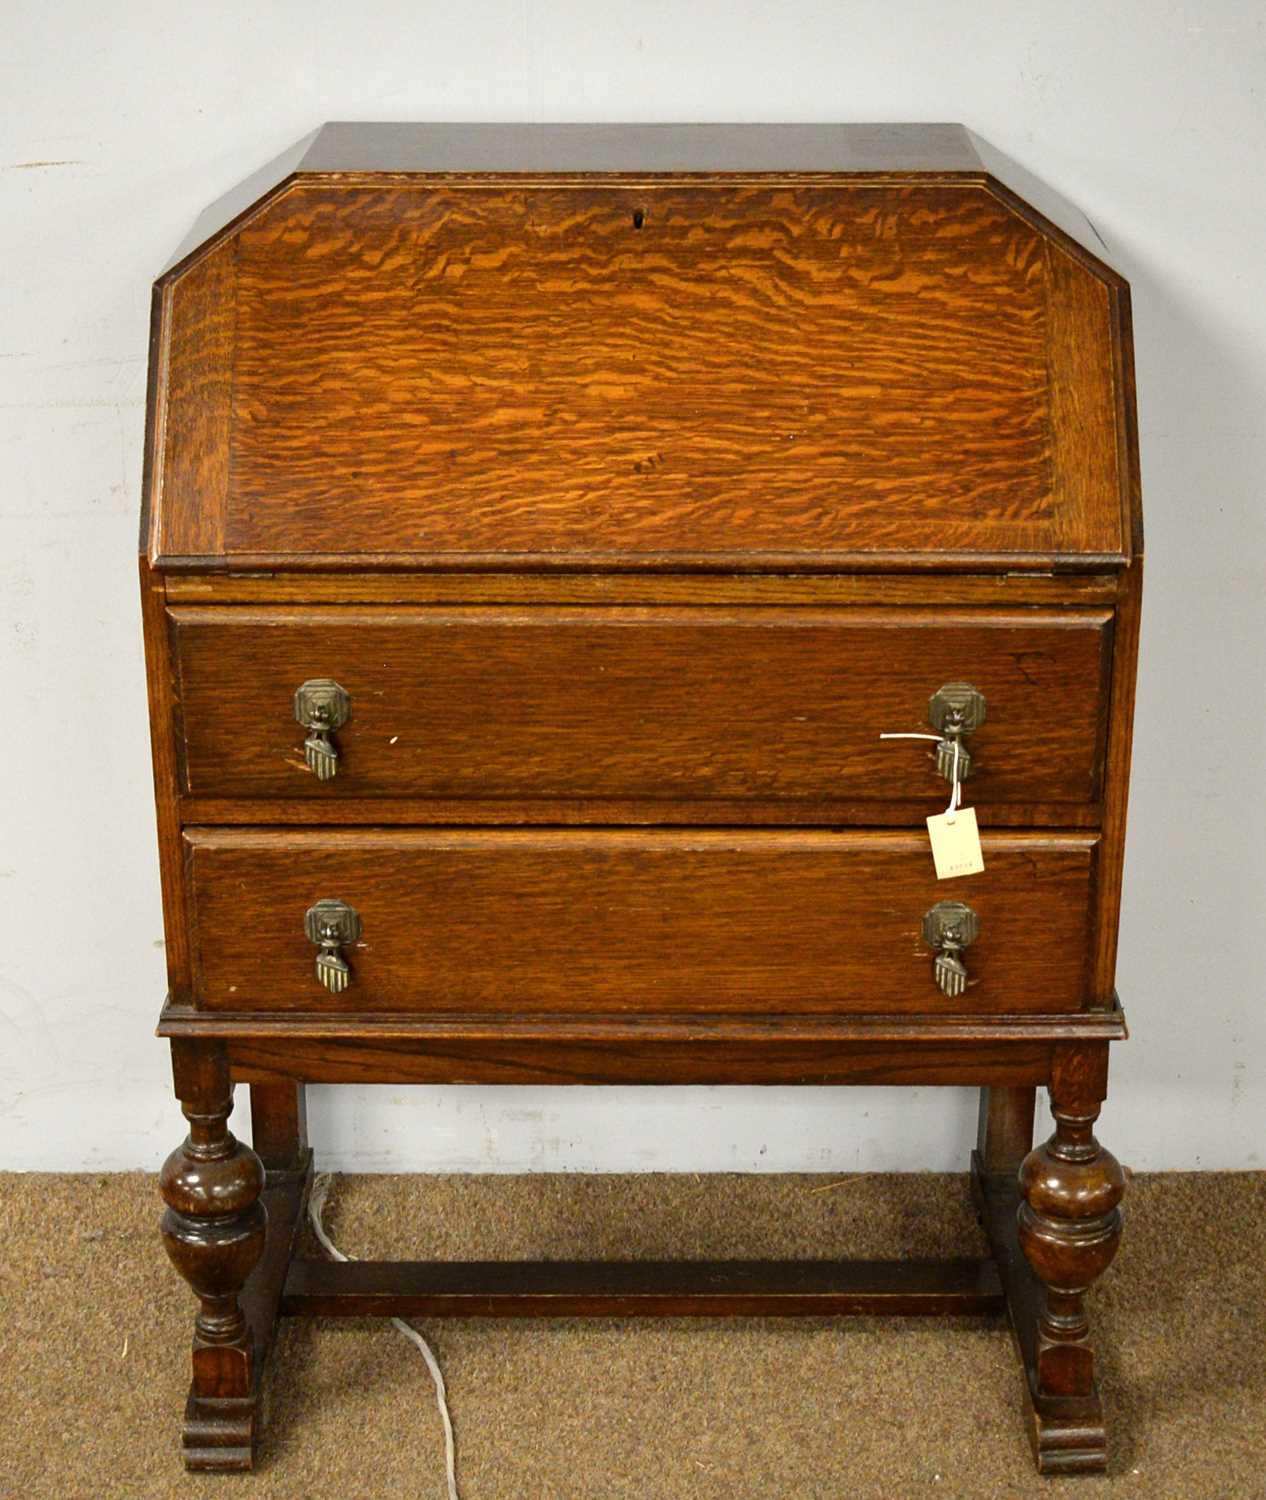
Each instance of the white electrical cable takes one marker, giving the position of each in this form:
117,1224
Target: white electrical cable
316,1203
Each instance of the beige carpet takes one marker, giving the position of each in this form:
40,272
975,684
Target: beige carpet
94,1329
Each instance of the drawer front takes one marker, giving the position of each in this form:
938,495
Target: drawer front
655,922
550,706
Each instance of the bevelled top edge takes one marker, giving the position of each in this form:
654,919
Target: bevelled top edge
467,150
499,149
311,167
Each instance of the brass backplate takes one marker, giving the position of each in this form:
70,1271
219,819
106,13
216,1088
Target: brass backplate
958,706
950,918
320,703
332,922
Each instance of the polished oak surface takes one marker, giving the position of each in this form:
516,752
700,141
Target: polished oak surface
653,922
639,1289
631,481
641,372
658,705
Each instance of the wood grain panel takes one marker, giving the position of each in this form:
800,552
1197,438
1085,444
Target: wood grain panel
663,705
1108,887
195,427
642,1288
160,681
723,812
437,1031
997,590
1083,408
829,370
562,1059
643,921
494,1047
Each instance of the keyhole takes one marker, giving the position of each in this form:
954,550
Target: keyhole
639,217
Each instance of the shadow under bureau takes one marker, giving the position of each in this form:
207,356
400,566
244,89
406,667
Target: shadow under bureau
542,527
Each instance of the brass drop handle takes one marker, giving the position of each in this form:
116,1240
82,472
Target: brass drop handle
948,928
332,926
955,710
321,706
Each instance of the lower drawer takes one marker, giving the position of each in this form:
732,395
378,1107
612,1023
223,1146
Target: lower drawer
653,922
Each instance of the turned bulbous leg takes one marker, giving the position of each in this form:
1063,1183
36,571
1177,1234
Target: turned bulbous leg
214,1231
1070,1228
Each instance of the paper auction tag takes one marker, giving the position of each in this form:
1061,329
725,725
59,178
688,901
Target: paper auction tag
956,844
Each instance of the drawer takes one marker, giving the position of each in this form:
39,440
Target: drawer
653,922
541,707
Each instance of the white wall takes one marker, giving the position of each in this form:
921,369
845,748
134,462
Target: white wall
122,121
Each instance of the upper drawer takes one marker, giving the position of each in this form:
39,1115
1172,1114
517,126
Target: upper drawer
779,708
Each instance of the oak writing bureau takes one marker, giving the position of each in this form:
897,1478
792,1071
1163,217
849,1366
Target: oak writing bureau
542,526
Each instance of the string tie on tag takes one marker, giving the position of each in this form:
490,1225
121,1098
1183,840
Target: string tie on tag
956,785
956,788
